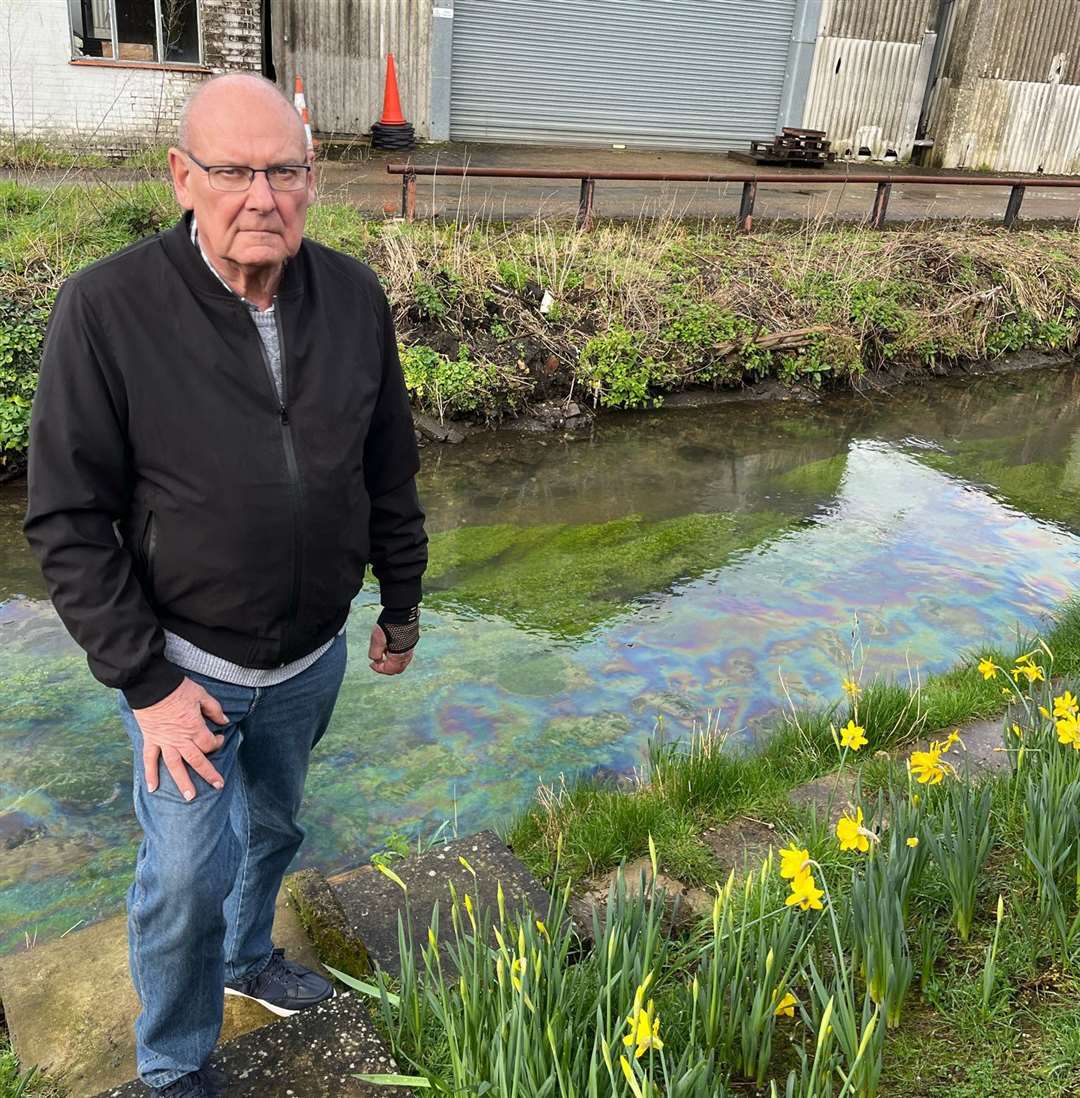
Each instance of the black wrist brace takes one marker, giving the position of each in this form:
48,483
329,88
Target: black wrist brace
401,626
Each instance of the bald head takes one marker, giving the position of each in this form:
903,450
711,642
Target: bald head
248,227
240,99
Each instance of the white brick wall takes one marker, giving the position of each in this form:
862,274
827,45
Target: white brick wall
99,108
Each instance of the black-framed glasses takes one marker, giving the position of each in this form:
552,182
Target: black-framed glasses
238,177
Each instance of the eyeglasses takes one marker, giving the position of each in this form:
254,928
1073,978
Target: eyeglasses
238,177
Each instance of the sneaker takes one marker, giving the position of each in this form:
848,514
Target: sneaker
283,986
187,1086
214,1080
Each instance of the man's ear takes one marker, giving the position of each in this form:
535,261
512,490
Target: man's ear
180,171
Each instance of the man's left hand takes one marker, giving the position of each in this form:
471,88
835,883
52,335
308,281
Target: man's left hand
382,659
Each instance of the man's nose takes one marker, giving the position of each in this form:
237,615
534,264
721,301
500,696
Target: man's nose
260,195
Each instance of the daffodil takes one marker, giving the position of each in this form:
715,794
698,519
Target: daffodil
793,862
644,1030
1068,731
1026,668
851,688
927,765
805,893
853,736
952,738
912,841
1017,731
786,1007
851,833
987,669
517,967
1066,705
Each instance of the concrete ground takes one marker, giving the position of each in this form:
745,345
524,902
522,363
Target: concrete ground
366,184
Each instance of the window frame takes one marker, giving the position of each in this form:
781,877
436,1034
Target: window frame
159,43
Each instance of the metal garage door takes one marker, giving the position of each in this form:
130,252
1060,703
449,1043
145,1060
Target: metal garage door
676,73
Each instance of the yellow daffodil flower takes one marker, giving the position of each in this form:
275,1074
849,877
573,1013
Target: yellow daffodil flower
644,1031
927,765
543,929
792,862
852,689
913,841
1032,671
987,669
1068,731
1044,711
805,893
851,833
786,1007
1017,731
1066,705
517,966
853,736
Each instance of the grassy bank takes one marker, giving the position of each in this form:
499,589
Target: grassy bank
493,318
927,946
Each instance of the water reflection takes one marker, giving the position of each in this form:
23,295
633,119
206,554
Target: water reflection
671,563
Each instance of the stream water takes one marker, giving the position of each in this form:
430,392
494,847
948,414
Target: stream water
673,563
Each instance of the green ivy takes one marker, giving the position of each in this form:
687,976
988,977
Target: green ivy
21,334
614,368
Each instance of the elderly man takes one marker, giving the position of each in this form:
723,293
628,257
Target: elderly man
221,443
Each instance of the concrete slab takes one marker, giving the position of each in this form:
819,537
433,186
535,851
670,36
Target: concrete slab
983,751
70,1005
740,844
315,1054
371,901
677,915
828,795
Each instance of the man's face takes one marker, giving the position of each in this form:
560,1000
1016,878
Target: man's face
258,227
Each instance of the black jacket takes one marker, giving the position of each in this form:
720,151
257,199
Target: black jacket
169,487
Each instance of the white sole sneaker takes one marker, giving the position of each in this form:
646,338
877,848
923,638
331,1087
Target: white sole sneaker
281,1012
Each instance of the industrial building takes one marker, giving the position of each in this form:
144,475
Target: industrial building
986,84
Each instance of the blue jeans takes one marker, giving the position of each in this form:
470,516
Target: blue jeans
201,906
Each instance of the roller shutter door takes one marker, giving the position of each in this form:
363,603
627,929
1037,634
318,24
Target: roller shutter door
705,74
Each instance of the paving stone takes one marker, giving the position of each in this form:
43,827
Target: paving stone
740,844
983,750
371,901
70,1005
677,916
314,1054
828,795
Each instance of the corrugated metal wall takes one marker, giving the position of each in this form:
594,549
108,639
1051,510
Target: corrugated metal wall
704,74
868,75
875,21
1008,95
339,47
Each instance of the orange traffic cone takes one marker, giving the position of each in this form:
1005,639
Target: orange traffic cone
300,103
392,131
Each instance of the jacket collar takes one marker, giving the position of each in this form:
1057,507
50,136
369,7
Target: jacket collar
194,270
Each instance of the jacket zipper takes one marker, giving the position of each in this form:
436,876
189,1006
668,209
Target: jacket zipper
295,484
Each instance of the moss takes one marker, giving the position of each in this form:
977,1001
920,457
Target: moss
325,923
567,579
1039,488
818,479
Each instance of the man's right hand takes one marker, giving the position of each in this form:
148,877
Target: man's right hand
174,729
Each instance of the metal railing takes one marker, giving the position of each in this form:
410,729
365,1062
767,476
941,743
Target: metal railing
749,180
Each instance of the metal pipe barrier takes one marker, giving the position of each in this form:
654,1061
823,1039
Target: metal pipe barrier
749,180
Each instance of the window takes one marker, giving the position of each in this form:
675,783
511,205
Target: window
136,30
